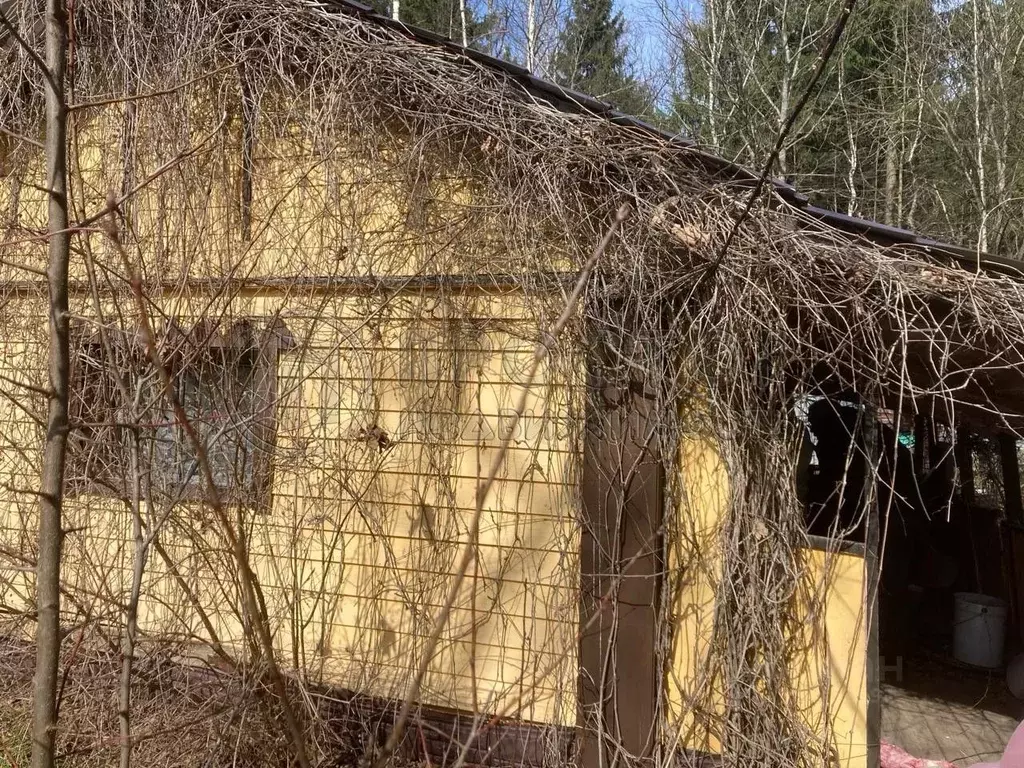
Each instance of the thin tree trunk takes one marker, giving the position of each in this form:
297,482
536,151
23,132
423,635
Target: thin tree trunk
131,621
999,128
790,61
853,161
48,634
252,594
889,194
912,150
714,74
783,114
127,411
852,155
531,35
979,135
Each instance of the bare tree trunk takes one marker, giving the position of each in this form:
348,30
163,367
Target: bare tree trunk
714,71
915,141
131,622
788,59
531,35
889,192
252,595
48,634
852,153
127,412
999,118
979,135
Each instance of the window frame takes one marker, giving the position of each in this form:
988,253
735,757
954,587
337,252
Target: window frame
265,338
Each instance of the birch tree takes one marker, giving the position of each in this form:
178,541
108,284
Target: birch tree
975,113
914,125
743,65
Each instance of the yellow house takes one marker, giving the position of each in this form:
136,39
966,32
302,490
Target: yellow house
350,239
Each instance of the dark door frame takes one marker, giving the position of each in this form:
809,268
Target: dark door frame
621,566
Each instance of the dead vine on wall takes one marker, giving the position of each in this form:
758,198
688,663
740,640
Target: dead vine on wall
392,185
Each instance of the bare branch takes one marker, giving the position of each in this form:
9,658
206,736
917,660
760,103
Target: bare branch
544,348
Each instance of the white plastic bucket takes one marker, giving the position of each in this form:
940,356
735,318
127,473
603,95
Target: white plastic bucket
979,624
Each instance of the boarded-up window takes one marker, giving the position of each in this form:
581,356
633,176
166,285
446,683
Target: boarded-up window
218,392
225,380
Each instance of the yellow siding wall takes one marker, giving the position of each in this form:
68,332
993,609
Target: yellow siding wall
352,206
356,552
355,555
832,667
694,700
828,669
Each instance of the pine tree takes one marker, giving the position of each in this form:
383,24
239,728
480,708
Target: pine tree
591,56
443,17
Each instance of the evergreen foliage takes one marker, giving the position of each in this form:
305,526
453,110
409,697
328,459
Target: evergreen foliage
443,17
593,57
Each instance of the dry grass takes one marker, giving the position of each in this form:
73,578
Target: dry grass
184,714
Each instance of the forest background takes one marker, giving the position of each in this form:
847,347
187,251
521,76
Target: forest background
914,124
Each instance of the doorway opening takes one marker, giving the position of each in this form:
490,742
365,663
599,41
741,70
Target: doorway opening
947,556
948,606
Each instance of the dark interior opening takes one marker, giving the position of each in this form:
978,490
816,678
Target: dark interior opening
947,552
948,502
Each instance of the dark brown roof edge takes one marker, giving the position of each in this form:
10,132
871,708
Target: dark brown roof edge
968,258
567,100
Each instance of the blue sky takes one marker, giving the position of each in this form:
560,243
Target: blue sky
646,19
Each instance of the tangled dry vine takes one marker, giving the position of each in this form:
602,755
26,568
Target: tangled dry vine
498,177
